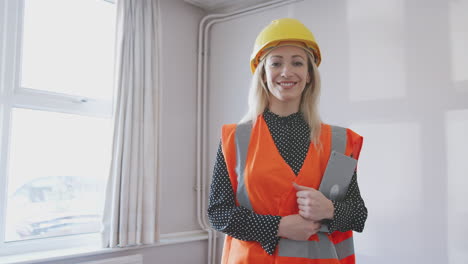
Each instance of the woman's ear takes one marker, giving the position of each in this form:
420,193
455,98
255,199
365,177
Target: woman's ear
308,78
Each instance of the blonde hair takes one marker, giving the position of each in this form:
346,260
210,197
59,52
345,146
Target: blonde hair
259,98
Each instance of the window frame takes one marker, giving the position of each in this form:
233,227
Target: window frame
13,96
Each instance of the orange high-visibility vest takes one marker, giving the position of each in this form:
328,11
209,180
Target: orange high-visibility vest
262,182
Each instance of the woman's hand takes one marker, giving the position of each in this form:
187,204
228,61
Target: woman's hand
295,227
313,205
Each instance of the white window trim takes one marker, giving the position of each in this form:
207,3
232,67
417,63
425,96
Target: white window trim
92,250
49,244
14,96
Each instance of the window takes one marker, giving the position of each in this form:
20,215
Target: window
56,88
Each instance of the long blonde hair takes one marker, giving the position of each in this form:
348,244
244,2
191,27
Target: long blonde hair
259,98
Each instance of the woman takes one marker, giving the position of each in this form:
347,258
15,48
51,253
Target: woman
269,166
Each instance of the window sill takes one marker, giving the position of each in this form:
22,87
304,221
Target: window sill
53,255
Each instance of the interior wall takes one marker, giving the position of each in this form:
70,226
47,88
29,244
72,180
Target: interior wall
395,72
177,160
177,139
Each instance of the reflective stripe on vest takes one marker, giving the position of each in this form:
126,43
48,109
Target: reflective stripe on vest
242,140
321,249
338,142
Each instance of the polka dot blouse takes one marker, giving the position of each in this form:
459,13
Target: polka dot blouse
291,136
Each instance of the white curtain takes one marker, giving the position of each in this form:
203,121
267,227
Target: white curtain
130,208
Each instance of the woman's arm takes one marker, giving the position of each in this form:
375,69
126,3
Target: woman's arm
351,213
237,221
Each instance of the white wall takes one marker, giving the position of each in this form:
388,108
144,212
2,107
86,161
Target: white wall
396,72
179,32
177,162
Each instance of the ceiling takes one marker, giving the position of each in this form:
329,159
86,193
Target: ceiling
213,6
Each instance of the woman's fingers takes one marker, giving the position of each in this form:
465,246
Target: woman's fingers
297,228
307,215
313,205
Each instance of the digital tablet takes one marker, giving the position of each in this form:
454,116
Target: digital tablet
336,179
337,176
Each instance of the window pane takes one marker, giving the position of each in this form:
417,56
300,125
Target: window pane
58,167
68,47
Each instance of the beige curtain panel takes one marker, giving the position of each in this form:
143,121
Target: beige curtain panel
130,208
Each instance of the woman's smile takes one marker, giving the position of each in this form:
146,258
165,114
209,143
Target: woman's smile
286,84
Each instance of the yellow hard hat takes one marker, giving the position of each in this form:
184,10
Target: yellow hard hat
284,29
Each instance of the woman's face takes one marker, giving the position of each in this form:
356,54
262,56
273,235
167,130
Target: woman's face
286,74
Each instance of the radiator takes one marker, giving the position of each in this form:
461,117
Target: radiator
132,259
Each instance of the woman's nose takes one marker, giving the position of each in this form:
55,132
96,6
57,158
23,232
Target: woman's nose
286,72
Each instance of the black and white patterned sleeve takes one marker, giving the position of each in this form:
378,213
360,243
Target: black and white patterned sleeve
237,221
351,213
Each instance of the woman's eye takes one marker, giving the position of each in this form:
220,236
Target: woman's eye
298,63
275,64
